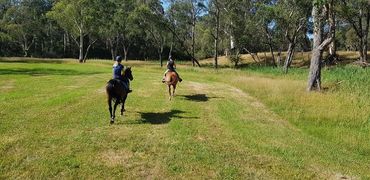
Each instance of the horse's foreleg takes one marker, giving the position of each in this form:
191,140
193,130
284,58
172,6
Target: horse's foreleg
123,105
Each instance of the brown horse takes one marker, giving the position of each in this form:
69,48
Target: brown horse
171,79
118,93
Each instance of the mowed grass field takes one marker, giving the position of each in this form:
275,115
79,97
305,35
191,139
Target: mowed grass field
252,123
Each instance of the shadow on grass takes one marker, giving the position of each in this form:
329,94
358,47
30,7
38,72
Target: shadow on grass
197,97
158,118
43,72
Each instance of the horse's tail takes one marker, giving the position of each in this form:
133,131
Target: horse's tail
110,90
171,78
110,86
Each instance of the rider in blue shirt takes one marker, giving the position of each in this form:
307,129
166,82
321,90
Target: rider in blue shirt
118,68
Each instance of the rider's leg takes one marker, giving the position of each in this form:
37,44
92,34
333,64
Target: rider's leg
178,76
126,86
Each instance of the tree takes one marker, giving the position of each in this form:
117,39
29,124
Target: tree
23,23
179,25
215,11
292,17
266,20
318,14
150,18
197,8
357,13
77,18
331,8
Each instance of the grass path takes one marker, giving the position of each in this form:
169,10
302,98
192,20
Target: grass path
55,123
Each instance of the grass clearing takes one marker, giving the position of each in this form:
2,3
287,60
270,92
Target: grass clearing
226,124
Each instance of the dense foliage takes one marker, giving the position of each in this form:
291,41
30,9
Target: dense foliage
153,29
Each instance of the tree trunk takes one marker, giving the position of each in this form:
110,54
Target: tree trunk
289,57
112,48
314,78
88,49
365,46
81,47
193,39
279,61
216,36
272,55
170,52
64,44
332,46
125,52
160,59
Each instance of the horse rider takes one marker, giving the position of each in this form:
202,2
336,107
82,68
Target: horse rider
171,66
118,69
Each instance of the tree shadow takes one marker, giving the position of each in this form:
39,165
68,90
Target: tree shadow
43,72
197,97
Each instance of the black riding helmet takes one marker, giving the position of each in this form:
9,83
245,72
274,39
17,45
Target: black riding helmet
119,58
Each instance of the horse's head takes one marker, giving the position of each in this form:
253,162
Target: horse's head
128,73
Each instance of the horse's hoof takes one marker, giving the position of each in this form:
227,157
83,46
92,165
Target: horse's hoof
111,121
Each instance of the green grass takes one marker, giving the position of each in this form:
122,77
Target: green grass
226,124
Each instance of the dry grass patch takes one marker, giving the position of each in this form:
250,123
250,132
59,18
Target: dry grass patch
113,158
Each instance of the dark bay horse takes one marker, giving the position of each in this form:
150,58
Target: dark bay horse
117,93
171,79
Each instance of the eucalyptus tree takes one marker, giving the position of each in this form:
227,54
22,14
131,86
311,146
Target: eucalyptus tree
331,8
215,10
235,23
292,16
180,24
319,44
149,17
78,18
23,23
4,36
357,13
198,8
123,26
265,19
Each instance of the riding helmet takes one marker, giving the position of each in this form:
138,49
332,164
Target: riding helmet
118,58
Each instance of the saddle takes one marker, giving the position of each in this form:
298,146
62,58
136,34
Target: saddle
115,82
118,83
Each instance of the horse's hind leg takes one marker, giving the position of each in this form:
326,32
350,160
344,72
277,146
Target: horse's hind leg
174,89
123,105
169,92
114,112
110,107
